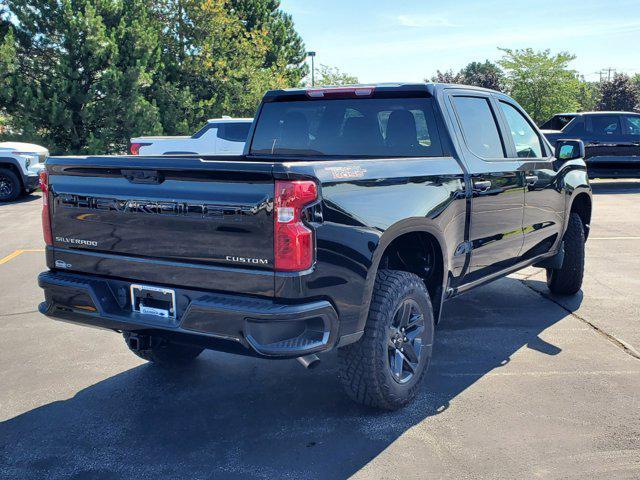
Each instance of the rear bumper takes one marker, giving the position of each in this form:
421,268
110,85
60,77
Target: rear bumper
224,322
613,167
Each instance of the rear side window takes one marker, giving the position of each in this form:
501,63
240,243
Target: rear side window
479,126
234,132
604,125
557,122
402,127
524,136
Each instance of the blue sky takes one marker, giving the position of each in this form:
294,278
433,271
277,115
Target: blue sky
381,41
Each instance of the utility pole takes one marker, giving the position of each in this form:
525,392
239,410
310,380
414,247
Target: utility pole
608,71
313,68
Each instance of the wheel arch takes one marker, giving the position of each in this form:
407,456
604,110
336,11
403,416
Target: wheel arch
582,204
397,239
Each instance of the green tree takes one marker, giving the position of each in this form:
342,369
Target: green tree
588,95
479,74
446,77
326,75
220,56
620,93
285,46
541,82
83,76
75,72
483,74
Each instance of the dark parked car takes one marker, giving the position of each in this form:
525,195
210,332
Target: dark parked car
612,140
354,214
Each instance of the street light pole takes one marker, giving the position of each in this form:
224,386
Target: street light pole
313,68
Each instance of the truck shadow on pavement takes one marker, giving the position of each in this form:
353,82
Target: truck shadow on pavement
30,197
237,417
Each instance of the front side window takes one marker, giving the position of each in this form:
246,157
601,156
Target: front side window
632,126
524,136
479,126
375,127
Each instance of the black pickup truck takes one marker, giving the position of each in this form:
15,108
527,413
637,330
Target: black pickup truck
351,218
611,139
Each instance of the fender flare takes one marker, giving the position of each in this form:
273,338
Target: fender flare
391,234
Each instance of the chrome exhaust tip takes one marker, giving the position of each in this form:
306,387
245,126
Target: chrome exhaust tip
309,361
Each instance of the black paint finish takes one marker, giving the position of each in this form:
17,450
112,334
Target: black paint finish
206,223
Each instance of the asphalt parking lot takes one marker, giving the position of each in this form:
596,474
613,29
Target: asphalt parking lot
522,385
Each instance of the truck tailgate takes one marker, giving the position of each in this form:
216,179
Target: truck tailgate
170,220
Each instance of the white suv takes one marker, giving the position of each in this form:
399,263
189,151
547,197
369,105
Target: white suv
20,166
220,136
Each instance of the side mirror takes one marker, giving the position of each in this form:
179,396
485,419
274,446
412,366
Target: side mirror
569,149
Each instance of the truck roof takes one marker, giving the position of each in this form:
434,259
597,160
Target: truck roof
229,120
604,112
387,87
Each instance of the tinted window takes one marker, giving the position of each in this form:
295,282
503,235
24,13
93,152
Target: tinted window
479,126
632,125
557,122
204,130
524,136
604,125
234,132
403,127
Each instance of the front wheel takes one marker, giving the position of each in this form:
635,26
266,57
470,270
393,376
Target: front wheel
567,280
10,186
385,367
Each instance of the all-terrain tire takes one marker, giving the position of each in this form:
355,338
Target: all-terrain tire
365,370
166,354
567,280
10,185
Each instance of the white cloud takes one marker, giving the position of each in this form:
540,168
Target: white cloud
423,21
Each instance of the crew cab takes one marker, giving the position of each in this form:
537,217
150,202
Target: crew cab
20,166
353,216
220,136
612,140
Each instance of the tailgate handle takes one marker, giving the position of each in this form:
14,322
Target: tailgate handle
143,176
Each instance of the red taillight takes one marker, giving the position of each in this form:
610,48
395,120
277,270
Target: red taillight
293,240
46,219
134,148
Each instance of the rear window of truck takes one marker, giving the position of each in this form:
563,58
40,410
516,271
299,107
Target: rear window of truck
401,127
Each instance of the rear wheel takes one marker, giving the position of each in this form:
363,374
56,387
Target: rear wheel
10,186
162,352
385,367
567,280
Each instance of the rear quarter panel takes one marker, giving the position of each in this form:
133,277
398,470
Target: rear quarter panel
366,204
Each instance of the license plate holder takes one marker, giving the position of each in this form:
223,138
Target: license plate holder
150,300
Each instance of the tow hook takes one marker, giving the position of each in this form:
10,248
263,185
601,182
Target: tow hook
309,361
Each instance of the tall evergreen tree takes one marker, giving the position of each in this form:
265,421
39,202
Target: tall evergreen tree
77,71
83,76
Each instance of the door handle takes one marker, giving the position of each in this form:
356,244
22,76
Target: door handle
531,180
481,185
